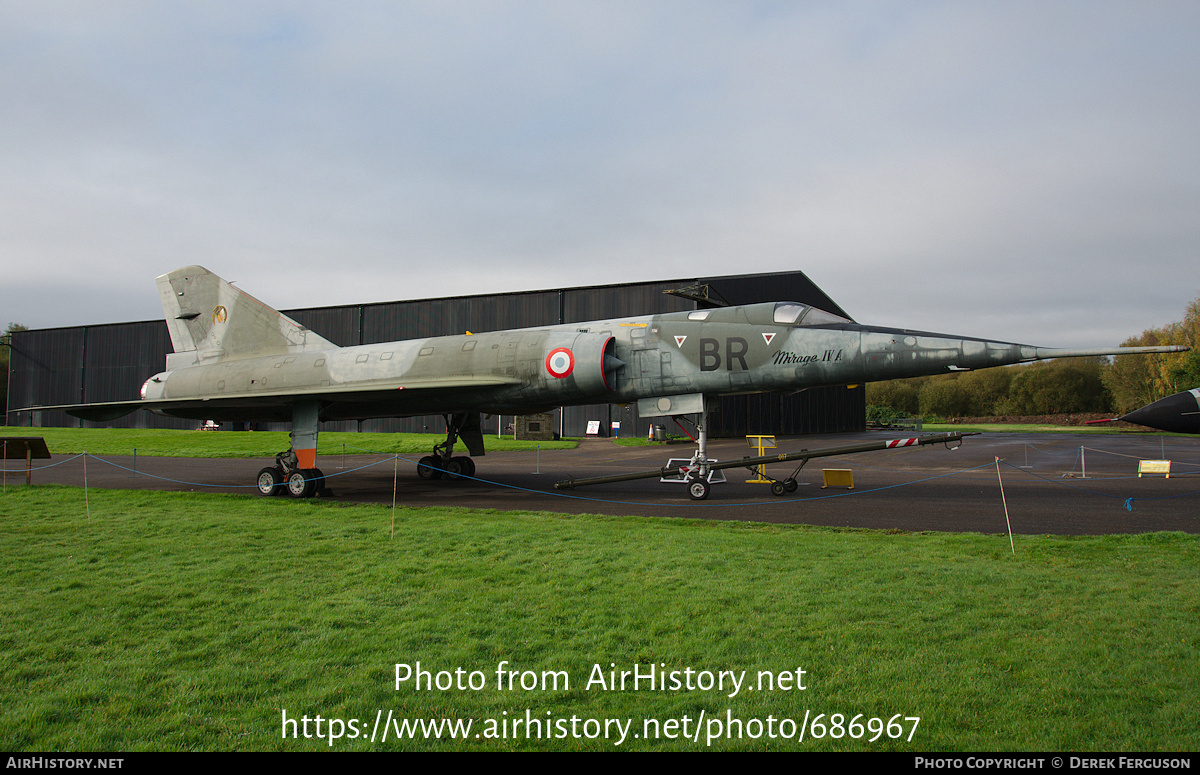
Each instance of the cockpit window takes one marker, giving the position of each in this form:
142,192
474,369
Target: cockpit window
819,317
793,314
789,313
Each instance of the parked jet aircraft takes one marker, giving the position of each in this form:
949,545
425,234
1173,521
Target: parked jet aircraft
237,359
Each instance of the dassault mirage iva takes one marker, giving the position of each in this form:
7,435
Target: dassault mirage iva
237,359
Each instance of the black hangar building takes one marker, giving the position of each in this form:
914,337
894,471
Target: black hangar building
109,362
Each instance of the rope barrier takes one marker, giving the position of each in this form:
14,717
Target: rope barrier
1128,502
558,494
551,493
43,468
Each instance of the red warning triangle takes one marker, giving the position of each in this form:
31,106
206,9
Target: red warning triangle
679,341
768,337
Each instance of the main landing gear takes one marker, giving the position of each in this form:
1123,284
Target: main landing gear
287,476
438,467
443,464
295,470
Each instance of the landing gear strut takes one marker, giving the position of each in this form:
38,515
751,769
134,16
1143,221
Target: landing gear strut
697,479
295,469
443,464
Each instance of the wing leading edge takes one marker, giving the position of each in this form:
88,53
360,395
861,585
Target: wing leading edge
412,397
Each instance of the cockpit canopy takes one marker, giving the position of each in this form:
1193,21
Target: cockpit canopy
787,313
793,314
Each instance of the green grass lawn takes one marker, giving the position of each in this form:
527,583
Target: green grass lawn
174,443
164,621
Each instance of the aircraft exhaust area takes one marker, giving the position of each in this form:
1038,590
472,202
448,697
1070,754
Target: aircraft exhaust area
1066,484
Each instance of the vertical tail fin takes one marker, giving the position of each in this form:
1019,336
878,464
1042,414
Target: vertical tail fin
216,321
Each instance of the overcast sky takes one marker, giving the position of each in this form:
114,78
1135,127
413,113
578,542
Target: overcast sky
1018,171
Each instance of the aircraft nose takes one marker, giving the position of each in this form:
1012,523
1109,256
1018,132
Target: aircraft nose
1179,413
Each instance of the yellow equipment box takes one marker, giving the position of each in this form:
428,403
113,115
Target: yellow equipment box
838,477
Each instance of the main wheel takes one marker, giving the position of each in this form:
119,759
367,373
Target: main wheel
460,466
453,468
270,481
318,480
698,489
429,467
299,485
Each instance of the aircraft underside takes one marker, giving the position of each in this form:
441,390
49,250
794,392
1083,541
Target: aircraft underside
295,470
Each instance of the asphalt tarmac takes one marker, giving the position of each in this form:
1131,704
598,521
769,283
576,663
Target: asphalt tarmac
1066,484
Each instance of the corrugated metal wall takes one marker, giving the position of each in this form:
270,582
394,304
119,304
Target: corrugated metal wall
87,364
110,362
46,367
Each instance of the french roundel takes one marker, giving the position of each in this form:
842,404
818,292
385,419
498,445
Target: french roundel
560,362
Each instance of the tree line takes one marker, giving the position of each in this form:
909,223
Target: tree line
1070,385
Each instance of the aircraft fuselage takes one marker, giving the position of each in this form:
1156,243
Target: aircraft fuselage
709,352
